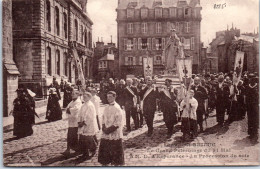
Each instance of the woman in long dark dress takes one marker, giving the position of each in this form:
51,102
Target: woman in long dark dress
22,114
54,111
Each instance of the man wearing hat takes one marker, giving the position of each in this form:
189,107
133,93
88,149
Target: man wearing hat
168,106
149,95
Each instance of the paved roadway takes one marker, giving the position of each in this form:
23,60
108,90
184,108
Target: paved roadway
45,146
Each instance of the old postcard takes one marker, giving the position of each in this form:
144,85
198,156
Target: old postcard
130,83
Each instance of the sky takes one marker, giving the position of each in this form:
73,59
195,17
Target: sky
244,14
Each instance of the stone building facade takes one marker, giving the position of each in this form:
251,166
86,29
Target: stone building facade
44,32
225,45
144,29
106,61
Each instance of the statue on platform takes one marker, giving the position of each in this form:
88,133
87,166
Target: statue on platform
173,49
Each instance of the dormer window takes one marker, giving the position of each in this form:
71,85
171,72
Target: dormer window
158,12
173,12
144,13
130,13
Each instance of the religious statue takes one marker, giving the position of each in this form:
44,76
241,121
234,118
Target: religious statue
173,49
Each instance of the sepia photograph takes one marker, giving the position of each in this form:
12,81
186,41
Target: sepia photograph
130,83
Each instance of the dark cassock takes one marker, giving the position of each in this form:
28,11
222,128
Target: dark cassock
233,113
241,106
149,97
252,101
130,103
222,97
212,94
200,94
67,96
120,94
54,111
169,108
23,114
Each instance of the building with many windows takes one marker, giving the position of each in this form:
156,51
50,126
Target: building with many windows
144,25
44,32
105,64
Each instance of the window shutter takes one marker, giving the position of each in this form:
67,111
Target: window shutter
149,43
169,26
140,60
163,43
139,43
153,44
134,61
125,44
177,26
192,43
126,60
135,44
188,27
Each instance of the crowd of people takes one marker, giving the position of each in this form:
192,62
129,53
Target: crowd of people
140,98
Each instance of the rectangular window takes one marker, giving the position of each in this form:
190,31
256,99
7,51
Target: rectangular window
187,27
129,60
186,44
144,43
157,60
144,27
192,43
144,13
158,43
173,12
128,44
130,28
158,27
158,12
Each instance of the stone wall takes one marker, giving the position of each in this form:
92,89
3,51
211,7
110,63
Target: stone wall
10,71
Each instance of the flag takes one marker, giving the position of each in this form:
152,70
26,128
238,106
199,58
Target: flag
238,67
148,66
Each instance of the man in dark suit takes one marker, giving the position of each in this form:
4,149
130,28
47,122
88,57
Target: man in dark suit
222,96
149,96
200,94
168,106
130,103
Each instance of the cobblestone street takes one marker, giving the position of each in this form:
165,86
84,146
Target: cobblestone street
213,147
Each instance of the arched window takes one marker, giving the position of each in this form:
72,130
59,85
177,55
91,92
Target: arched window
48,61
76,30
90,40
86,37
65,60
65,26
58,62
82,33
48,15
57,20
